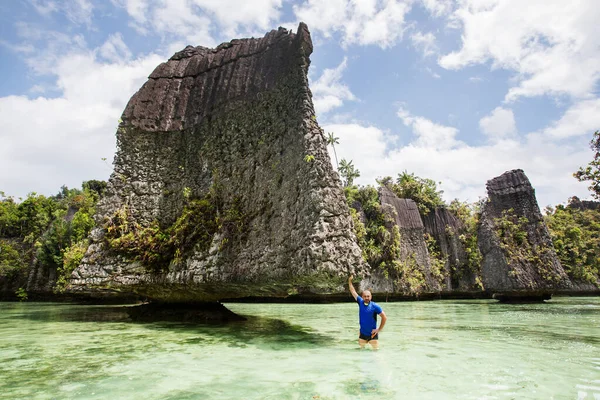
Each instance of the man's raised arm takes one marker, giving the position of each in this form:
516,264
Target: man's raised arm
351,287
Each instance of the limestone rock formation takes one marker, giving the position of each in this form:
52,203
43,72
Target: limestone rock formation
575,202
412,273
447,229
220,160
518,256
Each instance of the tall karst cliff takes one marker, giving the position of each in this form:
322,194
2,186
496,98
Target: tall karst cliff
447,230
518,256
401,267
222,184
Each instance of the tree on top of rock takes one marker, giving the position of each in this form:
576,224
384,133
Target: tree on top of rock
423,191
592,171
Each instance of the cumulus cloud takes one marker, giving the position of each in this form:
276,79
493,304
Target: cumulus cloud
380,23
429,134
201,22
550,44
500,124
581,118
436,153
234,15
328,91
47,142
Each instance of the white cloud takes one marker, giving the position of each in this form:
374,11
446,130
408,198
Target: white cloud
192,22
43,48
177,17
425,42
580,119
500,124
250,13
438,8
179,22
328,91
429,134
47,142
550,44
114,49
137,9
77,11
368,22
462,169
45,8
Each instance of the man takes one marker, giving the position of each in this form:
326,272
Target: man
367,317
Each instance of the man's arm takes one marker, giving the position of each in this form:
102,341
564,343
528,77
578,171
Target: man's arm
351,287
381,325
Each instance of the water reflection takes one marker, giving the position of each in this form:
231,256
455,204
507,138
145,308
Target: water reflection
263,331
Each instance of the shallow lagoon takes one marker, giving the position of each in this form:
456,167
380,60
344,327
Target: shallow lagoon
476,349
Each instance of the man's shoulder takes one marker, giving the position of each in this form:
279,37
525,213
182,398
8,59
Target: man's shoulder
377,306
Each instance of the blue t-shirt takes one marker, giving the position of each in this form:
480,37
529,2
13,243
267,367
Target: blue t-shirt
367,315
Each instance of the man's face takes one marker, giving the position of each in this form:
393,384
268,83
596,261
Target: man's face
366,295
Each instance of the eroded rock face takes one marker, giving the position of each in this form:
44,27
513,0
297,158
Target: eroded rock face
518,256
413,272
446,229
236,122
583,205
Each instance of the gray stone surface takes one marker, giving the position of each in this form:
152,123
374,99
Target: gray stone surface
413,250
531,267
238,118
446,229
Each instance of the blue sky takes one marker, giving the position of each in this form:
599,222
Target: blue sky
454,90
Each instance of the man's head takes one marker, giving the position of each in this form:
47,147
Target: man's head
366,296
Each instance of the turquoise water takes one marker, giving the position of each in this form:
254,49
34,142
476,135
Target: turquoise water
429,350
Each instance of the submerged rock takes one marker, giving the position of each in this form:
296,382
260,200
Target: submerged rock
222,185
518,256
192,313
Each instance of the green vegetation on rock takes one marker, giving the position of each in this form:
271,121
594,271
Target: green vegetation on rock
156,247
469,215
512,230
576,237
51,231
422,191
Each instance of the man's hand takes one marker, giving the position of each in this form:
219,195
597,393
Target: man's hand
374,332
351,287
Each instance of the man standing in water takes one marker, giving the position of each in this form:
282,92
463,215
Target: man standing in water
367,317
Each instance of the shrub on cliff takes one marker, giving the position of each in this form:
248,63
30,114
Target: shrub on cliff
422,191
47,229
156,247
592,171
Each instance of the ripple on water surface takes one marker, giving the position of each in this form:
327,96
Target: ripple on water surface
430,350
